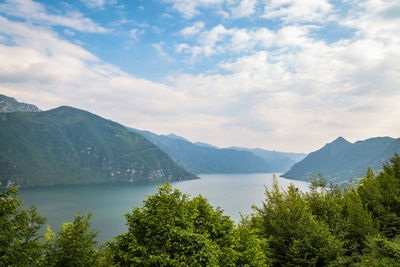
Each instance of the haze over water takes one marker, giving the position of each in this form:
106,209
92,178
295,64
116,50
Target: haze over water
234,193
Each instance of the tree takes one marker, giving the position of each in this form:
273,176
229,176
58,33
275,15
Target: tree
380,252
381,196
251,251
19,238
74,245
173,230
358,225
294,235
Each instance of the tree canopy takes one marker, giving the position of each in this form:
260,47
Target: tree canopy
173,230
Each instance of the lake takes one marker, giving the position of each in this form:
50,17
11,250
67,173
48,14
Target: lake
234,193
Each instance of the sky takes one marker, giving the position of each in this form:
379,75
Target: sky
286,75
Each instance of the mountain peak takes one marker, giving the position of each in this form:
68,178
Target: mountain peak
10,104
338,143
340,140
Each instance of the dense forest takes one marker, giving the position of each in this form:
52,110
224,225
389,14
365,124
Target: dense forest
327,226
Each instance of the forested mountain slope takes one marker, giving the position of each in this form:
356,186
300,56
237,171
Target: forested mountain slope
71,146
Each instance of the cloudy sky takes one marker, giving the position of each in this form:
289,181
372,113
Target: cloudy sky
289,75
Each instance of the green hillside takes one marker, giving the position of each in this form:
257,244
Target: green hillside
341,161
70,146
9,104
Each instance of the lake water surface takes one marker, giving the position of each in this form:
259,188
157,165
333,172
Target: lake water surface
234,193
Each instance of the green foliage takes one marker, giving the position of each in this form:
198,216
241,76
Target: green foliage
358,222
252,251
74,245
380,252
381,196
19,238
344,214
294,235
173,230
326,226
21,245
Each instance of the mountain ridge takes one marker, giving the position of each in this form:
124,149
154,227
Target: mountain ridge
279,161
341,161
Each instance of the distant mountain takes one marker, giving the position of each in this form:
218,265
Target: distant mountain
71,146
174,136
279,161
341,161
9,104
205,158
205,145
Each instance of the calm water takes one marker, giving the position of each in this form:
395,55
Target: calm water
234,193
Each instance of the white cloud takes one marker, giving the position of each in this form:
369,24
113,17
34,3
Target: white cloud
41,40
244,8
99,3
45,70
313,95
189,8
192,30
159,47
278,89
243,40
37,13
69,32
95,3
166,15
286,86
297,10
210,42
133,33
380,20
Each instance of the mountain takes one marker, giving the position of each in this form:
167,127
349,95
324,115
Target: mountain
205,145
341,161
204,158
279,161
9,104
71,146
